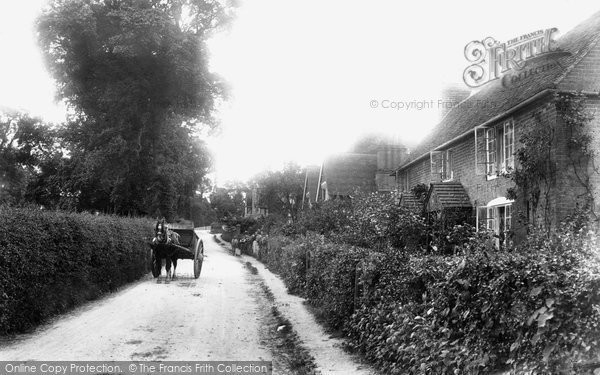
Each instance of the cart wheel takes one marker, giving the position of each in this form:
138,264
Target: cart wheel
156,266
198,258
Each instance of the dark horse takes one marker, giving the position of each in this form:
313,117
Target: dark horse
163,246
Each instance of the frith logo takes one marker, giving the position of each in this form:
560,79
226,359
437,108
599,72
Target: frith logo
491,59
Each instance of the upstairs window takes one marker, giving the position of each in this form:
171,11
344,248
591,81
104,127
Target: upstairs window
441,166
490,151
509,146
495,149
446,172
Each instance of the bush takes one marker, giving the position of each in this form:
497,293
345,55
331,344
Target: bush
372,221
535,309
322,271
331,279
216,227
465,308
52,261
288,259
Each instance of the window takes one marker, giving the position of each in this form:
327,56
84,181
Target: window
497,217
508,218
441,165
446,170
491,218
509,146
490,151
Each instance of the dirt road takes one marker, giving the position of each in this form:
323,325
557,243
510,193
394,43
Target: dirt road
220,316
235,311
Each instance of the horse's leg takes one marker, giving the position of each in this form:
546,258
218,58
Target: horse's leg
174,266
168,267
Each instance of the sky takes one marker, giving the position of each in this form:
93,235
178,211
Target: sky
308,78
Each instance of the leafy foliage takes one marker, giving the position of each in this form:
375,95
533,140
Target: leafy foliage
51,261
367,220
281,191
537,167
28,156
227,203
536,172
582,154
135,74
535,308
478,310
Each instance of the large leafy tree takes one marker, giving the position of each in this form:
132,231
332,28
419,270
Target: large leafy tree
27,147
135,74
281,191
227,202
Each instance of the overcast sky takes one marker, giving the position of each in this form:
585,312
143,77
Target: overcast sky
304,73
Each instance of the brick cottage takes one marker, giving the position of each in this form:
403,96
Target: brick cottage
468,160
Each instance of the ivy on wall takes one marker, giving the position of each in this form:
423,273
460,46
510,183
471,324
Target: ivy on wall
536,174
581,155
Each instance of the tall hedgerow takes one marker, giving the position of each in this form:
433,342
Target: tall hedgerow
51,261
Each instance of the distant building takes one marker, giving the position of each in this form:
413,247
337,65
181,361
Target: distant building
342,174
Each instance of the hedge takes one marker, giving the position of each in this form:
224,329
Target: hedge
51,261
535,309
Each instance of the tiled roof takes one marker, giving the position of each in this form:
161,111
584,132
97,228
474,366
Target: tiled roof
345,173
494,99
447,195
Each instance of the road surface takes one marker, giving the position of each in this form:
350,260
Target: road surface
220,316
225,315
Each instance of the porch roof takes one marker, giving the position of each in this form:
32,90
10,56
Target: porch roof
445,195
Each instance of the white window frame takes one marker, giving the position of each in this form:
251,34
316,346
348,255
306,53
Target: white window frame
508,146
492,210
490,221
490,153
447,166
507,219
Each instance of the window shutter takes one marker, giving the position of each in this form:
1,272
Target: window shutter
436,166
481,217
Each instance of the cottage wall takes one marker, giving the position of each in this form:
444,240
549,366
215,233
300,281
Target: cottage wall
564,188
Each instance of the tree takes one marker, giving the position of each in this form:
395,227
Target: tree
202,212
227,203
135,73
27,146
281,191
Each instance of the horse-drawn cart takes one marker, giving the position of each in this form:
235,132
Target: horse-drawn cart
176,241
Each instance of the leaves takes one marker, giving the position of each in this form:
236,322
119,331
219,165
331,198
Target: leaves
138,82
533,308
45,270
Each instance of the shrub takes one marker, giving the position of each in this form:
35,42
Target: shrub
535,309
466,308
51,261
329,217
331,279
322,271
367,220
377,222
288,259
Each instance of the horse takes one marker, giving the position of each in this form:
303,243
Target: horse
162,243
